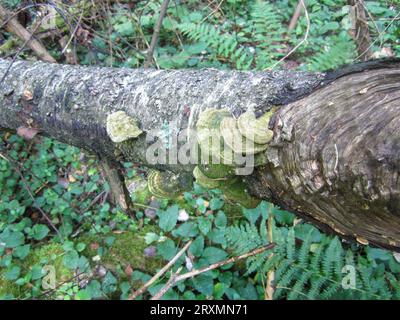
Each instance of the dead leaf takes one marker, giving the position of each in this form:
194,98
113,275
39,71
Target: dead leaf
385,52
63,182
128,270
27,133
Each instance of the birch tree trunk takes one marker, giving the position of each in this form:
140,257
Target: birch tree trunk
334,158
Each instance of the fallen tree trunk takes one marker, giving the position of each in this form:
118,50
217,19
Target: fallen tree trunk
333,159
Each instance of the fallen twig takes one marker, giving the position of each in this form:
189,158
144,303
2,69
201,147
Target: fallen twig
300,43
156,33
16,28
270,287
175,278
138,292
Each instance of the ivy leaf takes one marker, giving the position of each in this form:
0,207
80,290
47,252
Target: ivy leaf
37,272
94,289
221,220
213,254
167,249
12,273
217,236
204,225
186,230
216,203
109,283
168,218
197,247
83,294
204,284
71,259
12,239
22,251
201,205
40,231
219,290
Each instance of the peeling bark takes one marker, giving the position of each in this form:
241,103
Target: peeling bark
334,158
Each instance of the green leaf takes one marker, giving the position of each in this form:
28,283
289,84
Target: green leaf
71,259
80,247
109,283
12,273
186,230
168,218
201,205
12,239
21,252
204,284
40,231
197,247
167,249
37,272
204,224
213,254
329,26
94,289
248,292
83,294
217,236
216,203
220,220
219,290
151,237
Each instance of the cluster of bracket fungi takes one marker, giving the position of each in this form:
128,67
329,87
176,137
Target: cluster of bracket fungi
222,140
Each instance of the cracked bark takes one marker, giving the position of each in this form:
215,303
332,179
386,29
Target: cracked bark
335,154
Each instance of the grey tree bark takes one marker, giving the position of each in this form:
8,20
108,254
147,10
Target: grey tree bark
334,157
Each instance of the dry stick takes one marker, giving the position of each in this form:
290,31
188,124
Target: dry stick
383,32
138,292
16,28
301,42
295,16
119,193
168,285
72,35
156,33
191,274
269,290
361,29
213,12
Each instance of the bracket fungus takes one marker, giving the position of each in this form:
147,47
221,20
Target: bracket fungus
222,137
205,181
168,185
234,139
121,127
255,129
